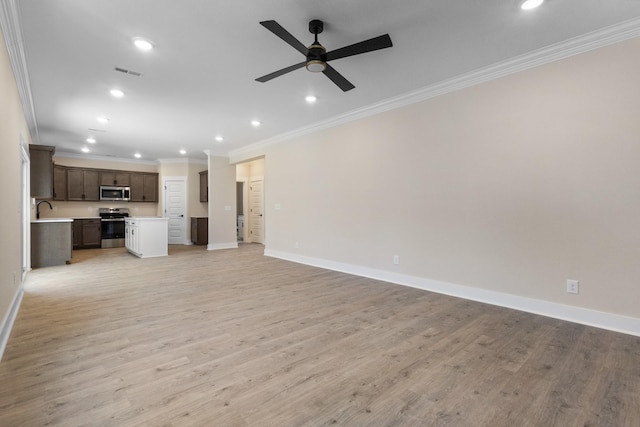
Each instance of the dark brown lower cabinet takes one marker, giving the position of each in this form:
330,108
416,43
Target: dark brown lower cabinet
87,233
199,230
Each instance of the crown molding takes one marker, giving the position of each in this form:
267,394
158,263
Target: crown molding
186,161
66,154
555,52
10,24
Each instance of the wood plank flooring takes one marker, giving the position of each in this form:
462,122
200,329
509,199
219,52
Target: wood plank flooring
233,338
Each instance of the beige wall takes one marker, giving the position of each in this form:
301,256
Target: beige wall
222,204
512,186
13,129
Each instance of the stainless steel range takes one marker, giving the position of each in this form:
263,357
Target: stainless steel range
113,226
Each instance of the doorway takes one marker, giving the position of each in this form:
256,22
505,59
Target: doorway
240,198
250,197
175,208
25,210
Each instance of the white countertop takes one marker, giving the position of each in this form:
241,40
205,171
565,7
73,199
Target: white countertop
50,220
146,218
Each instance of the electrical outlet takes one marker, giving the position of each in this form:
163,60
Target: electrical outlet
573,286
297,245
396,259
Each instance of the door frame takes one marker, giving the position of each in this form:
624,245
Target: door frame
245,201
26,208
184,201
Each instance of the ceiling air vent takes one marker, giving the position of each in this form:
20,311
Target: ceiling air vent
124,70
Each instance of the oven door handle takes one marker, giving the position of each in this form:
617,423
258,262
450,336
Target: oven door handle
112,219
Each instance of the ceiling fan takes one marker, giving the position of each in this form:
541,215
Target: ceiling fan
317,56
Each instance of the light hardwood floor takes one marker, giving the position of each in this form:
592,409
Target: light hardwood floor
233,338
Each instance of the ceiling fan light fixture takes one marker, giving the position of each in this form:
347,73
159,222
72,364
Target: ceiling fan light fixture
530,4
316,66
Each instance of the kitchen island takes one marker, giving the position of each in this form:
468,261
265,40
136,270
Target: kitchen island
147,237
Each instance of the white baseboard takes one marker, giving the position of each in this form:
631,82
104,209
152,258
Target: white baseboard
599,319
218,246
9,318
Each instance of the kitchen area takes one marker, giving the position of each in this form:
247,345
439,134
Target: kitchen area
112,203
78,207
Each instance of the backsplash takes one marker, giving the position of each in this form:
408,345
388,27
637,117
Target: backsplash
90,209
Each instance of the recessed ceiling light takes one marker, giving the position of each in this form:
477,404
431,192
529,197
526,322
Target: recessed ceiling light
219,138
142,44
530,4
116,93
85,150
255,123
183,152
311,99
91,140
137,155
102,119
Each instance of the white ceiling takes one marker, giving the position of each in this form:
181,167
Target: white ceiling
198,82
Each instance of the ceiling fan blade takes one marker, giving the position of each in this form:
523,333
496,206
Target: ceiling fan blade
380,42
281,72
337,78
285,35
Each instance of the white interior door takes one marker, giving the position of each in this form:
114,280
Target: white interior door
256,210
175,209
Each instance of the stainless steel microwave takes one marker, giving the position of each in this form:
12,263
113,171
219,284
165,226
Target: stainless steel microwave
115,193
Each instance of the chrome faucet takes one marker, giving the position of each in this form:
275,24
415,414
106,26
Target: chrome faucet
38,207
